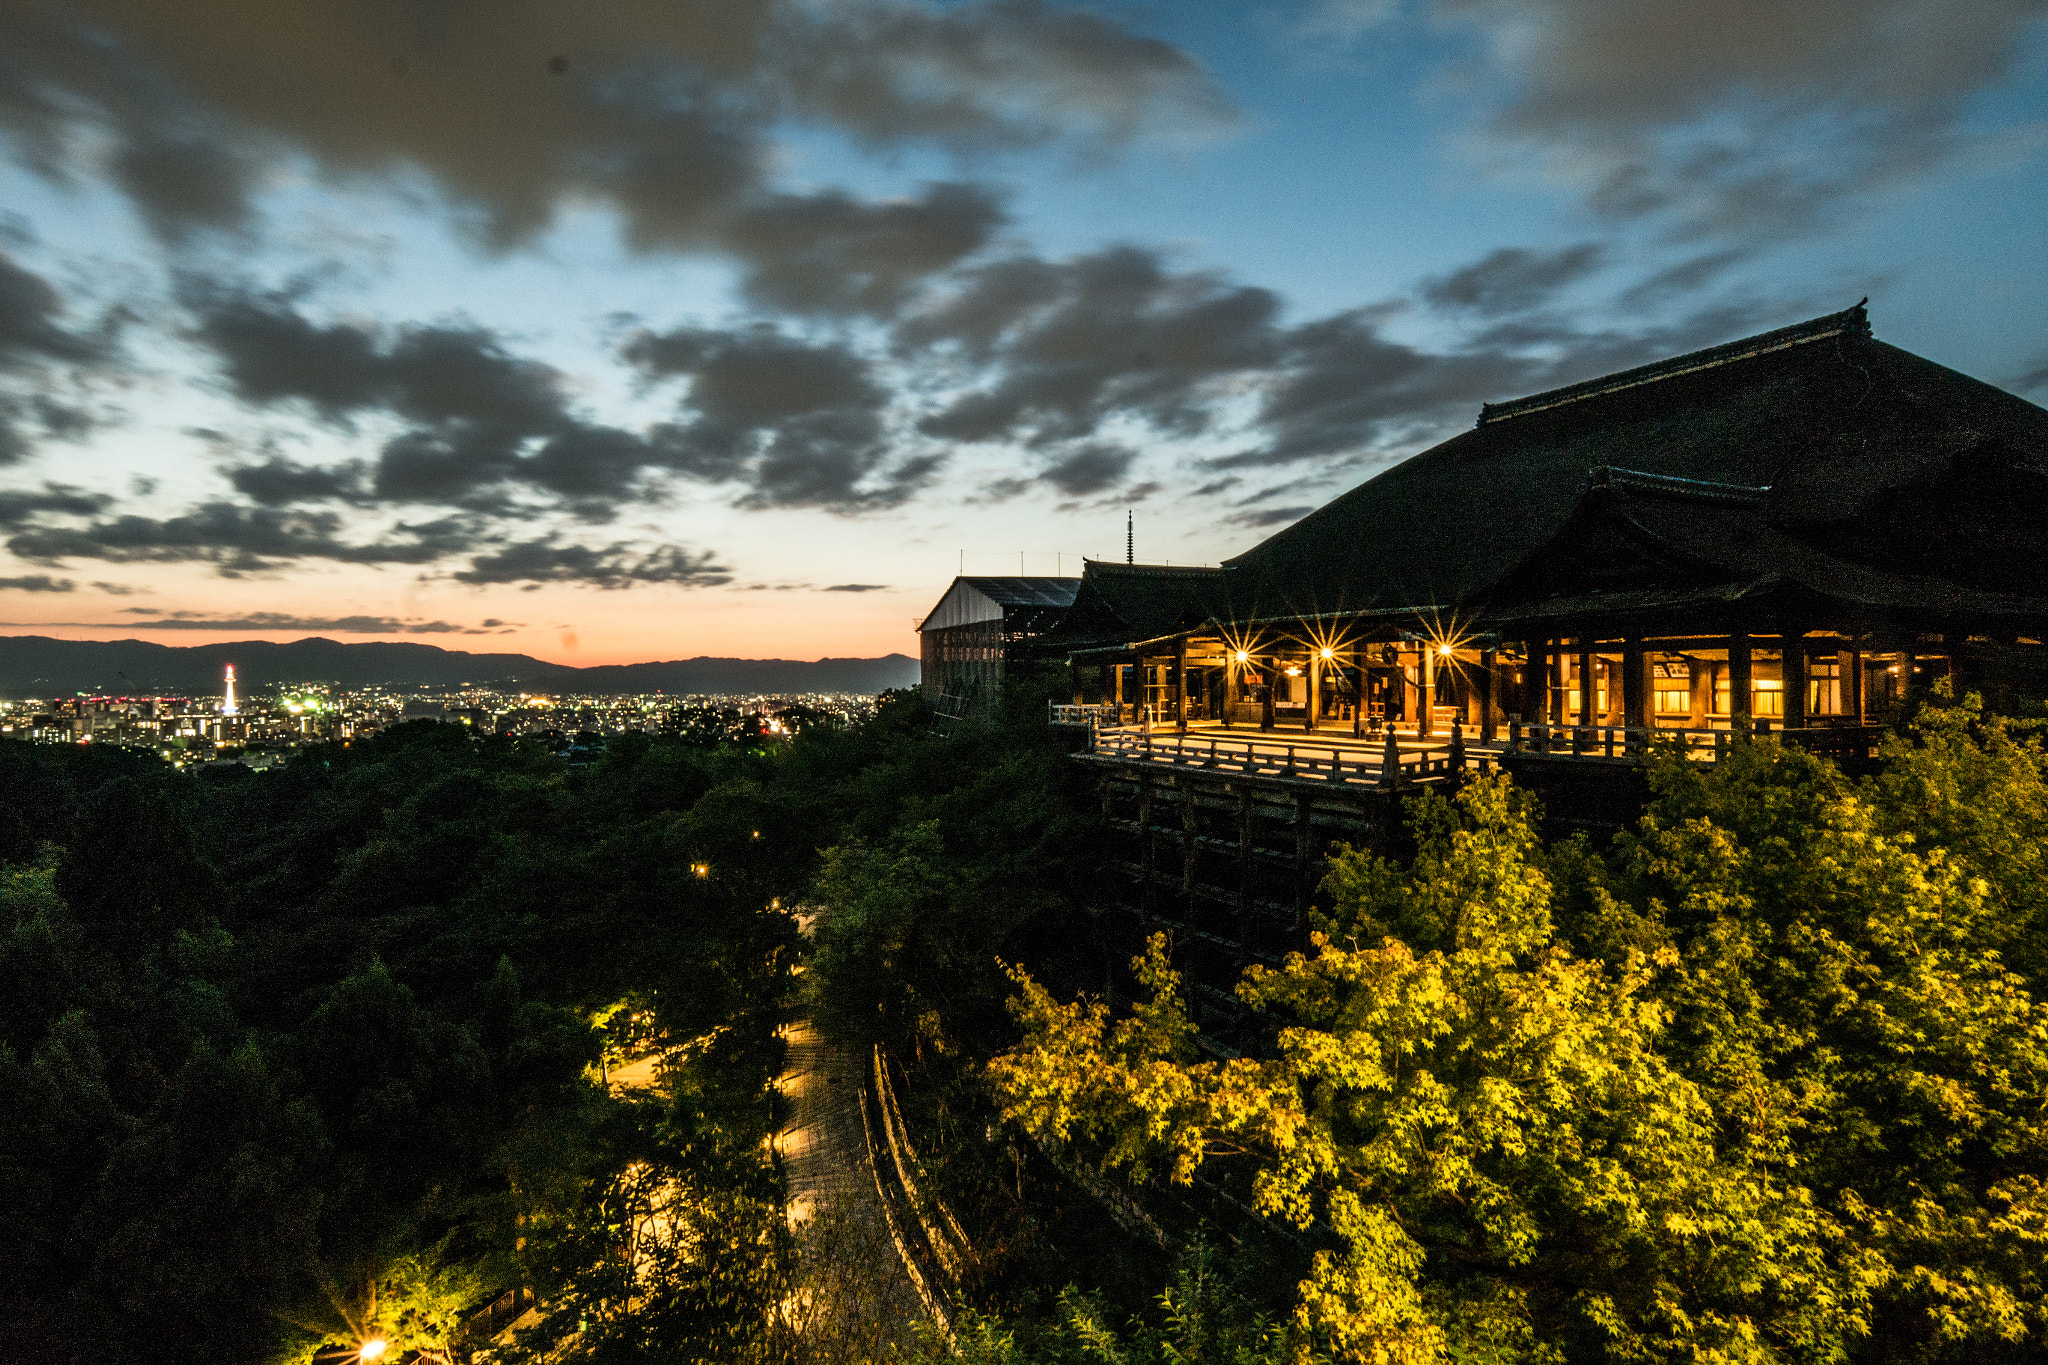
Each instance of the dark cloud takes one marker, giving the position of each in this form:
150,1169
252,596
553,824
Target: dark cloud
798,423
662,110
37,583
20,506
1090,469
279,482
795,423
36,352
1072,344
238,540
29,309
114,589
1513,279
1270,516
616,566
277,621
1753,122
856,587
833,254
1686,277
2034,377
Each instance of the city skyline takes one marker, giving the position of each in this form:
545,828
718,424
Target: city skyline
714,345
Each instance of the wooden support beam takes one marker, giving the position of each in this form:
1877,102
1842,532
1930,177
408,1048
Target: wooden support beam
1740,682
1792,678
1180,685
1427,690
1852,665
1315,690
1588,695
1265,697
1635,710
1488,663
1358,691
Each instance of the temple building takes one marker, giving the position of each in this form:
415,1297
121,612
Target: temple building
979,626
1793,531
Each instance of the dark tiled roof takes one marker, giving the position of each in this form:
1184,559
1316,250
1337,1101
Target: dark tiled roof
1813,452
1122,604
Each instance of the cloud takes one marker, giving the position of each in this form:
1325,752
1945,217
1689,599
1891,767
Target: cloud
1090,469
798,423
856,587
1750,123
284,621
2034,377
20,506
615,566
36,354
1513,279
795,423
664,112
37,583
237,540
1271,516
280,482
1070,344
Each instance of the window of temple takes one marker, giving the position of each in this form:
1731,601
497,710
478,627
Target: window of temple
1824,686
1671,687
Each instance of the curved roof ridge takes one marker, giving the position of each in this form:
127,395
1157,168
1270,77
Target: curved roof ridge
1855,321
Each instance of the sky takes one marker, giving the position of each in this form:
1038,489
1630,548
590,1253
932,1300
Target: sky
650,329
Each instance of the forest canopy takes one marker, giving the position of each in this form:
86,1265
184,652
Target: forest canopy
1767,1079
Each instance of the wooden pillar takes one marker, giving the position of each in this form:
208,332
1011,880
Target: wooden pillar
1852,669
1265,697
1739,682
1180,685
1635,710
1488,662
1700,684
1315,690
1792,678
1358,691
1425,690
1074,676
1587,694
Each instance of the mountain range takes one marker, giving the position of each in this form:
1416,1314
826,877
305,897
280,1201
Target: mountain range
38,666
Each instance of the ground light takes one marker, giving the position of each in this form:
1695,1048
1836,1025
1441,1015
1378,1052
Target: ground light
372,1350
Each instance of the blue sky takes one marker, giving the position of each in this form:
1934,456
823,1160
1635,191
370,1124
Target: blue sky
659,329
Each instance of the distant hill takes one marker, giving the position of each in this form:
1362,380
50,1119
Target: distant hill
37,666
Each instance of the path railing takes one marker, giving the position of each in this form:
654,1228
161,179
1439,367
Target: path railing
1089,714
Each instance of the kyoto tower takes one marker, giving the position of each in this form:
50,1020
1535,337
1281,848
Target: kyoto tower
227,702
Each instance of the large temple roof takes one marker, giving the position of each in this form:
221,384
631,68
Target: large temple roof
1813,456
1121,604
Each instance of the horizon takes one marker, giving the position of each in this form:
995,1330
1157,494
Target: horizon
746,357
445,649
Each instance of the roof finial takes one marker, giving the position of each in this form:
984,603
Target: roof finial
1130,539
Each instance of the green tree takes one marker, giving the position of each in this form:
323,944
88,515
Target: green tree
1757,1085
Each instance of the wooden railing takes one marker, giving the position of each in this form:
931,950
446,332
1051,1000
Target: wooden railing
1635,742
1089,714
1391,764
1395,761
